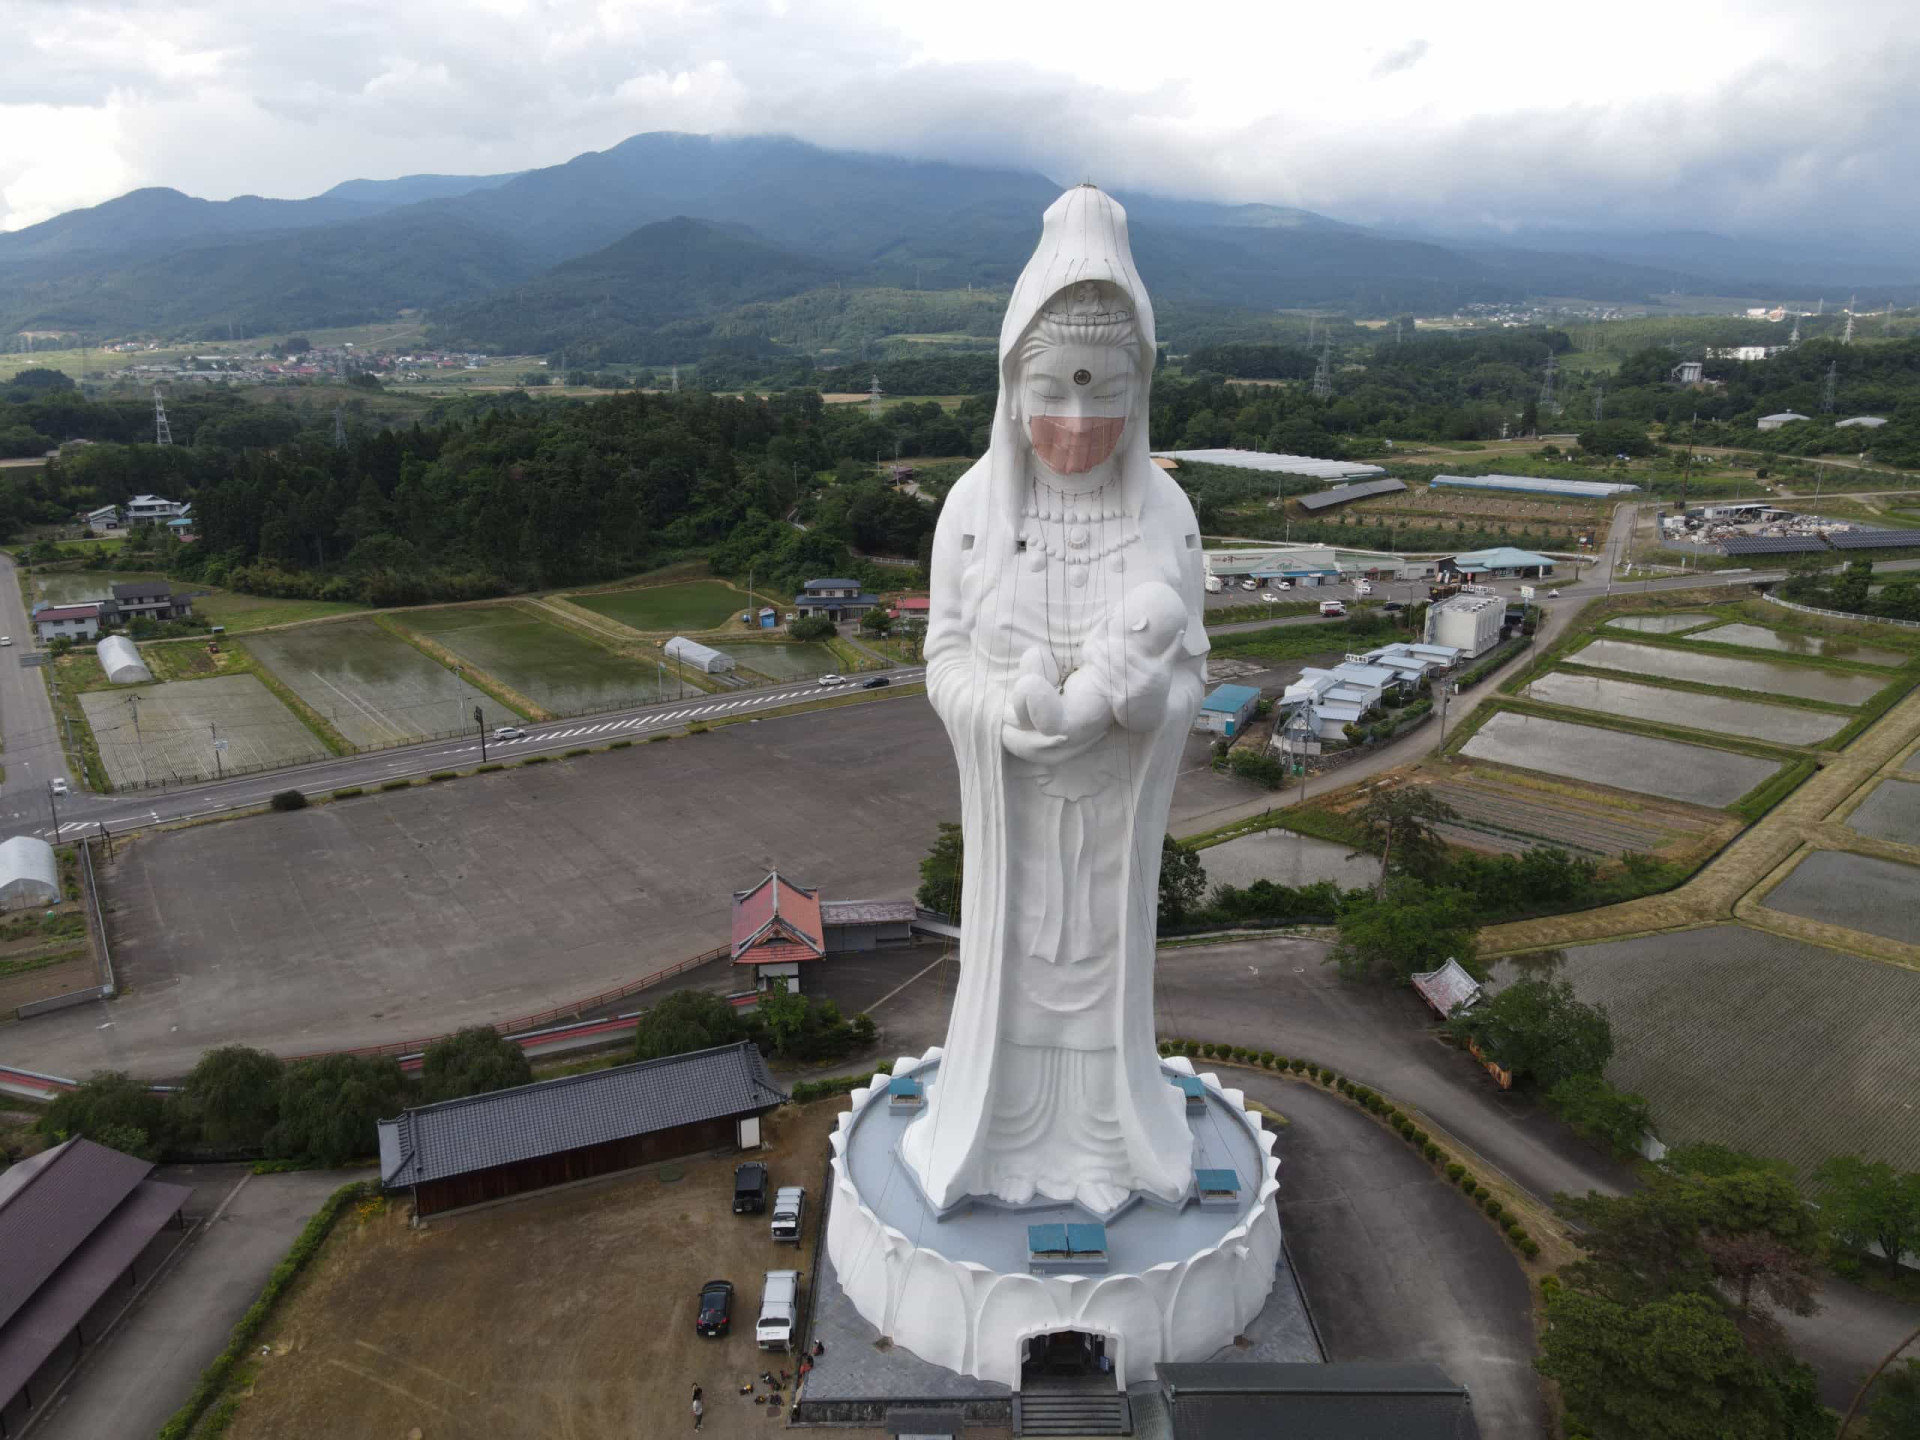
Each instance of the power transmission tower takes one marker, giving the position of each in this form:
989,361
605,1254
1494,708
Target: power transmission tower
1846,336
1396,332
873,398
1793,340
674,383
1821,308
1833,382
1323,372
1599,404
339,428
1548,404
162,433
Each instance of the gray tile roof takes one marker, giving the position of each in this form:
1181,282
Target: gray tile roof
1356,1401
48,1212
550,1117
866,912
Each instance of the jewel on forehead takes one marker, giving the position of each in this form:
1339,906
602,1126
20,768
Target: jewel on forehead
1083,377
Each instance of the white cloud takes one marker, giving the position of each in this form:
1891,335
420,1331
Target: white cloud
1762,112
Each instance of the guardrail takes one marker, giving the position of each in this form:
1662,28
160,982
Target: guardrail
96,918
1841,614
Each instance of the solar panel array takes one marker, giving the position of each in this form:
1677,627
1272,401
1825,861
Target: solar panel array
1342,494
1771,545
1874,539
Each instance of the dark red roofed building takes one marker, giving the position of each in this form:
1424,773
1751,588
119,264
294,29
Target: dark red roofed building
80,1227
776,928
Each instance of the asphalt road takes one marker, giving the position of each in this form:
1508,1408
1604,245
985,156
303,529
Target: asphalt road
32,746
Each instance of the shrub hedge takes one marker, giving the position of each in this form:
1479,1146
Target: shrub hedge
441,775
805,1090
288,800
348,793
488,768
396,784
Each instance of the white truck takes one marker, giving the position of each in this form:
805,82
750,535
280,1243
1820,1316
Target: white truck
789,1206
1332,607
779,1310
1215,584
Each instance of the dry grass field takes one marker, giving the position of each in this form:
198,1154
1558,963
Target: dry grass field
563,1315
1506,810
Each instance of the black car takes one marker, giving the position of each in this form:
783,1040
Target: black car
879,682
749,1188
716,1308
1393,605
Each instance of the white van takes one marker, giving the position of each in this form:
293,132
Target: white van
789,1205
1249,584
779,1310
1361,587
1215,584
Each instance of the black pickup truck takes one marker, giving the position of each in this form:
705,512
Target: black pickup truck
749,1188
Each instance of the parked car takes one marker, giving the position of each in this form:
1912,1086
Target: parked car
879,682
1553,594
715,1314
789,1208
1249,584
1269,597
779,1308
508,732
1283,585
1361,587
831,679
1393,605
59,786
749,1188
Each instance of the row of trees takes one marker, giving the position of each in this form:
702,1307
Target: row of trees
1811,583
785,1024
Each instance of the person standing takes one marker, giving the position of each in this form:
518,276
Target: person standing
699,1408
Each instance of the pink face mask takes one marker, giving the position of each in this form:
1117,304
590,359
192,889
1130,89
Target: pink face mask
1074,445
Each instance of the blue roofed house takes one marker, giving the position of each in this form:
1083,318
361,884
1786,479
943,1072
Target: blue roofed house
836,599
1227,710
1502,562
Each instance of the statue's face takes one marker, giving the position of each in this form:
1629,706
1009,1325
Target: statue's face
1077,398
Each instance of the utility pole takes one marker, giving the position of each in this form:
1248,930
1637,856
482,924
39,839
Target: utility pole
219,770
53,805
1846,336
480,719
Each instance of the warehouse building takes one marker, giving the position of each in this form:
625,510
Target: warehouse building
81,1227
1778,421
486,1148
1535,485
1468,623
695,656
1502,562
1227,710
1276,464
1860,422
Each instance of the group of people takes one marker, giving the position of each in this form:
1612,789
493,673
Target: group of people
806,1368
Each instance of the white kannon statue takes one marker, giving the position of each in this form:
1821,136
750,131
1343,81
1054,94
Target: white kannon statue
1065,654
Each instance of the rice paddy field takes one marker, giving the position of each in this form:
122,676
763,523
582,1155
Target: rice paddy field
1789,642
218,607
1720,714
691,605
548,664
174,737
1706,1021
1891,811
783,661
370,685
1775,677
1659,624
77,587
1286,859
1669,769
1855,892
1505,812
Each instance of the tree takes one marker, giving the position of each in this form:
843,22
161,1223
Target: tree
784,1013
111,1104
1616,1118
233,1096
811,627
1408,926
1540,1030
1398,825
1894,1412
685,1021
940,872
329,1107
474,1061
1183,881
1869,1203
877,622
1676,1368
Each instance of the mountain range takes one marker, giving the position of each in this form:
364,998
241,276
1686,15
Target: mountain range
644,251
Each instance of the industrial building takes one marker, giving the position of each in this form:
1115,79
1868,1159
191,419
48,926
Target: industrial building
120,661
695,656
1327,701
81,1226
1469,623
1501,562
1227,710
1774,422
1860,422
1277,464
29,873
1536,485
492,1147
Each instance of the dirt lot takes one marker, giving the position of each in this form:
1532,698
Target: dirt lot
565,1315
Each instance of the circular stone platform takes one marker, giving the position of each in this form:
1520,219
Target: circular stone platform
1177,1284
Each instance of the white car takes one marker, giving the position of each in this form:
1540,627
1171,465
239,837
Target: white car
831,679
59,787
1283,585
1249,584
509,732
6,639
1270,597
1553,594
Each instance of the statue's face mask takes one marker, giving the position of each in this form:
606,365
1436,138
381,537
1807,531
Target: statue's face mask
1076,398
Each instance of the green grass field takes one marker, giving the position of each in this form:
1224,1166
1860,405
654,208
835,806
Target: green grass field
549,664
256,612
693,605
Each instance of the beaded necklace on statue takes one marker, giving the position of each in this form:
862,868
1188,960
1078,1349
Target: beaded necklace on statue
1076,532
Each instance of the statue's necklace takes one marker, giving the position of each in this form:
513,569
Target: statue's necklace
1077,531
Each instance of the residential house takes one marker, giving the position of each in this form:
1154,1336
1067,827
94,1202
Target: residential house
106,518
150,599
835,599
67,622
150,509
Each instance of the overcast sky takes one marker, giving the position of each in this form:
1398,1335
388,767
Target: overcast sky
1723,114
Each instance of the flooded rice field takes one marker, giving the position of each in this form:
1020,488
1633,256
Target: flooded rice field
1890,812
1667,768
1720,714
550,665
1287,859
1788,642
372,686
1658,624
1777,677
784,661
1856,892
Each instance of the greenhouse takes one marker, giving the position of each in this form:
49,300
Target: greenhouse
696,656
121,661
28,873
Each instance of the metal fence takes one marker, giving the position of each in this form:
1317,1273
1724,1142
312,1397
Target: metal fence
1841,614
